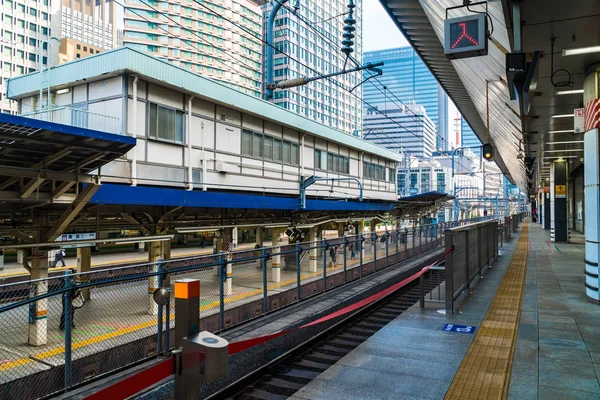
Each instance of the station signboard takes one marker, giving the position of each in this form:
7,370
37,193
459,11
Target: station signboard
65,238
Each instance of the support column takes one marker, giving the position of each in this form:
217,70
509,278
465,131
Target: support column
313,238
227,235
38,322
276,264
156,252
234,238
592,214
559,225
84,264
259,242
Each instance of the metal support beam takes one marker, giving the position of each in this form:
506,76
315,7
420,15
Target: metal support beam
17,173
44,163
71,212
134,221
31,186
62,189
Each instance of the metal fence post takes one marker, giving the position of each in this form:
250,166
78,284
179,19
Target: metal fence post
159,337
324,251
449,267
345,257
387,249
167,345
405,243
397,244
222,277
263,263
298,249
360,253
420,239
68,321
374,242
414,230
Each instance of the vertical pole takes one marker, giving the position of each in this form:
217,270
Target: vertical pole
38,322
324,251
314,249
67,304
387,249
84,264
167,345
422,290
345,257
187,303
405,243
259,242
263,261
276,263
298,250
159,321
397,244
360,253
222,277
374,243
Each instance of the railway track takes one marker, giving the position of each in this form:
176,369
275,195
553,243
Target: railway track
284,376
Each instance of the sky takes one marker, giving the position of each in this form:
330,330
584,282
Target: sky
379,33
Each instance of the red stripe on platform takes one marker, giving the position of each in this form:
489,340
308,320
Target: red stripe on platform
136,383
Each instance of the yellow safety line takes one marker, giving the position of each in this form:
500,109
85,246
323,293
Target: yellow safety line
485,370
133,328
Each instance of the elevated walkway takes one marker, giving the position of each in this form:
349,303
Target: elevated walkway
532,335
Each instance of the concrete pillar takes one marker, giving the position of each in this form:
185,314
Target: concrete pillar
276,263
313,239
227,235
38,327
156,252
559,225
20,257
259,242
546,209
234,237
84,264
592,214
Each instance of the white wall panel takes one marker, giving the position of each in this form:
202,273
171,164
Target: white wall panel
112,108
80,94
252,123
229,139
203,108
165,153
291,135
228,115
273,129
106,88
208,138
166,97
141,88
140,149
62,99
309,157
141,118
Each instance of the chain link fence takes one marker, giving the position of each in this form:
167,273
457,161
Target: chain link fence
49,341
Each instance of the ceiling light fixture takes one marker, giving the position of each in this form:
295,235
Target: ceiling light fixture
564,92
561,157
570,141
563,131
63,91
560,151
563,116
581,50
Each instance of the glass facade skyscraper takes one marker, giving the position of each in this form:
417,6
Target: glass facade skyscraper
303,49
406,77
468,137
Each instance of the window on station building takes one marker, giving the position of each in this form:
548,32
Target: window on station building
374,171
166,124
255,144
392,175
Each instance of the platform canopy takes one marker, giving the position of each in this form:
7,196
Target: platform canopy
421,204
41,160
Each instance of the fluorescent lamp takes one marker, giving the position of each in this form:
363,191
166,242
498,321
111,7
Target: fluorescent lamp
560,151
570,141
562,157
63,91
195,229
284,225
563,131
563,116
575,91
581,50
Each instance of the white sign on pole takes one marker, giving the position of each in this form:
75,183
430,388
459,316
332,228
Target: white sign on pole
579,123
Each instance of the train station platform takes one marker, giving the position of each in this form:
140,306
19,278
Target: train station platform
527,332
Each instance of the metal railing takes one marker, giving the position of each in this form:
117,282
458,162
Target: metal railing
79,118
119,323
469,250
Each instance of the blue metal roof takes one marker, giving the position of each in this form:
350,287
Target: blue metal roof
26,143
153,196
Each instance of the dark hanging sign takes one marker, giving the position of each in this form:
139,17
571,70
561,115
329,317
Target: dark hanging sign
465,36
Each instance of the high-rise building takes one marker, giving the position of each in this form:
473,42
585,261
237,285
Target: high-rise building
468,137
406,79
198,36
88,23
24,35
407,129
306,48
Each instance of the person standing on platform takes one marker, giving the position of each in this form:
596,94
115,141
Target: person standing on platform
59,256
332,254
352,251
76,302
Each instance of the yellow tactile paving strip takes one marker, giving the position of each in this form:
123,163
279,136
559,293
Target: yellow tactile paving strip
485,370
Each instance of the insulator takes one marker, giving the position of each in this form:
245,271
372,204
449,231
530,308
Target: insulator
348,35
347,42
350,20
349,28
347,50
